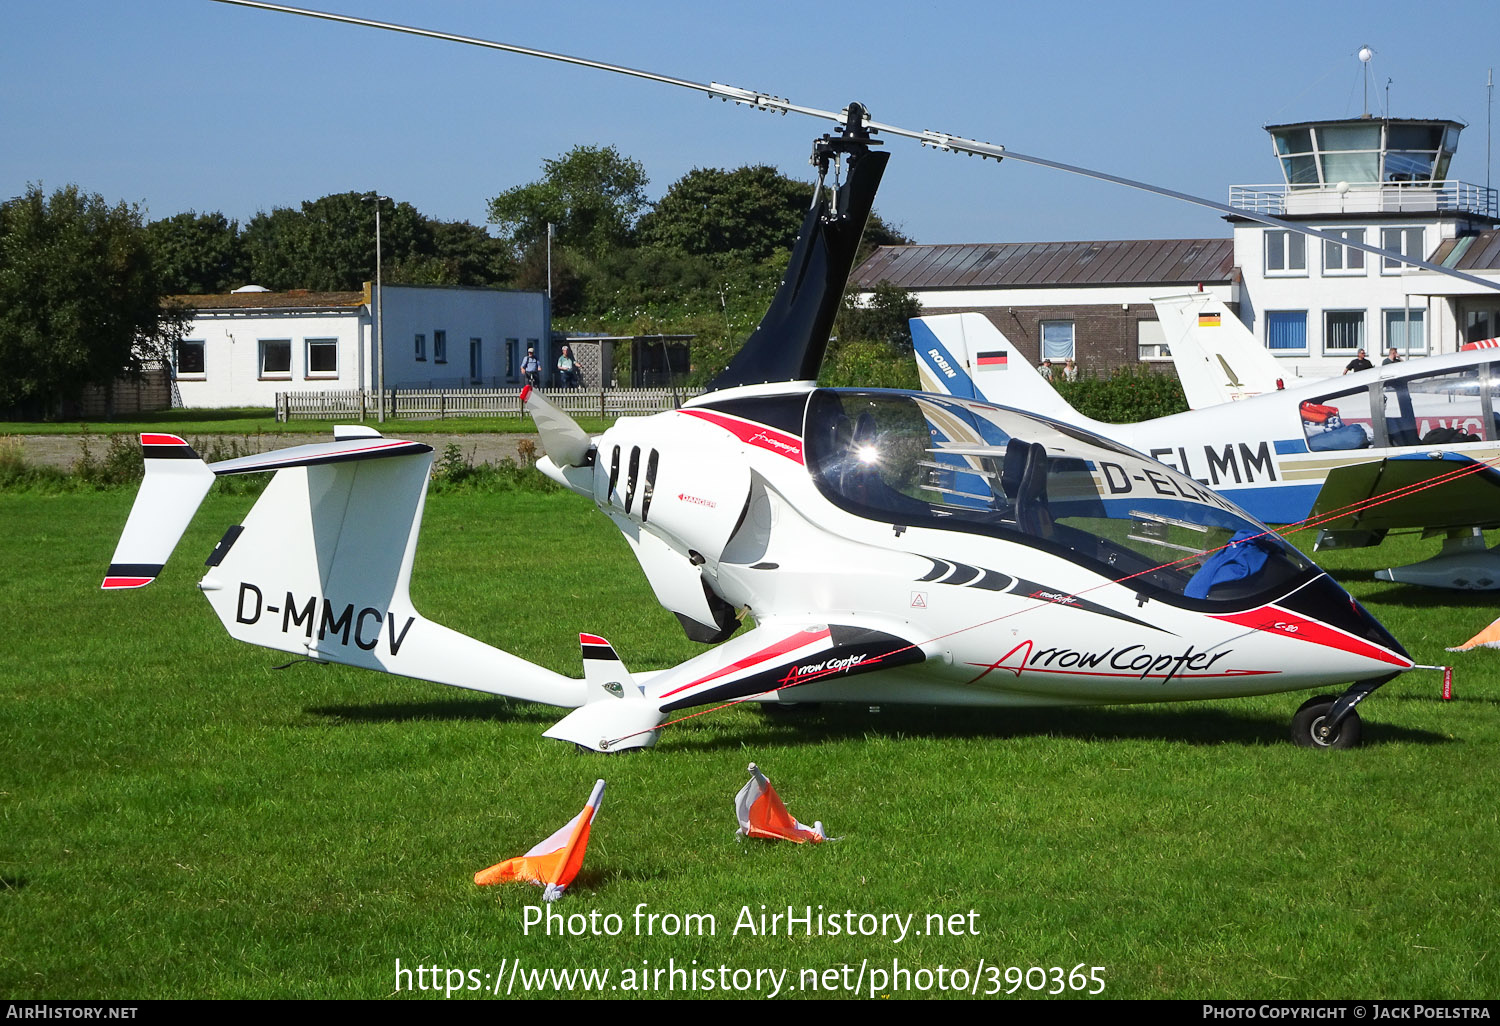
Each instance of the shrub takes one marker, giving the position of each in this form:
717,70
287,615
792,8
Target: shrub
1128,395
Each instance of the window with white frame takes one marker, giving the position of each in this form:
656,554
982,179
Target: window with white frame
322,357
275,357
188,359
1057,340
1286,331
439,347
1343,331
421,347
1406,241
1286,253
1341,259
1405,331
1151,341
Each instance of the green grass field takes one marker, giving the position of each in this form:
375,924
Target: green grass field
180,819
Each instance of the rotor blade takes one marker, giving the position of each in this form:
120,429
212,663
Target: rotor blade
937,140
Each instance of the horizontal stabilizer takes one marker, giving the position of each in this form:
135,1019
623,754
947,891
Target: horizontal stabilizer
343,450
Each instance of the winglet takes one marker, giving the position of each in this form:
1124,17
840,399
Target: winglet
176,482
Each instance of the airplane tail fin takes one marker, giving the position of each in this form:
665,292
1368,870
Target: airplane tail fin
616,715
176,481
966,356
321,566
1218,360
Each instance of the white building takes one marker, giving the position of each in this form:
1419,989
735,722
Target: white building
243,348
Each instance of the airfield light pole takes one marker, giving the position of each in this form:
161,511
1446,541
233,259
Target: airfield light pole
378,199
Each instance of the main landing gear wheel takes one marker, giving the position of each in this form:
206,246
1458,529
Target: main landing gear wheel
1309,730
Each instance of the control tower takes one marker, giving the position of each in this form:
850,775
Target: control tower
1374,180
1364,165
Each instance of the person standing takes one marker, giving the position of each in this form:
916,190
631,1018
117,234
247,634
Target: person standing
1359,363
1391,357
1045,370
531,369
1070,370
567,369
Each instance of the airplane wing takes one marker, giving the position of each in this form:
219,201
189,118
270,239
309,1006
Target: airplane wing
1464,500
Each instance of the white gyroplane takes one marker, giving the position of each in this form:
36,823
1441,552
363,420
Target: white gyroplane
890,547
1407,446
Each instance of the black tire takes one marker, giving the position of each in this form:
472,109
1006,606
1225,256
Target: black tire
1308,721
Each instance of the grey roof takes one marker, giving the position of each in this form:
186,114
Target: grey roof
1470,253
1014,264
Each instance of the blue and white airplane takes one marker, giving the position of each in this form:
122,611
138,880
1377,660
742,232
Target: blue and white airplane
1411,445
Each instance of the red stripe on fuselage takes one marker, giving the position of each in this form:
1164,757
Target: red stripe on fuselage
755,434
1279,621
791,644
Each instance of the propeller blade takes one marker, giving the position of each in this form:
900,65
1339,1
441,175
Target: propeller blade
562,439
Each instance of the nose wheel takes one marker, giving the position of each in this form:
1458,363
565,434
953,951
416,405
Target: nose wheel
1328,722
1313,726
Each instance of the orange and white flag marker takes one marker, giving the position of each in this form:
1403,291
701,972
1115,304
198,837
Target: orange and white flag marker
762,814
555,862
1488,638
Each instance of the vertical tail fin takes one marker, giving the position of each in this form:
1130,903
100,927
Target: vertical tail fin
966,356
616,714
1218,360
176,481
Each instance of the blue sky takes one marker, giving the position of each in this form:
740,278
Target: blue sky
194,105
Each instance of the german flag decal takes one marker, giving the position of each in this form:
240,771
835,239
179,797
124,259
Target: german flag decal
993,358
1208,320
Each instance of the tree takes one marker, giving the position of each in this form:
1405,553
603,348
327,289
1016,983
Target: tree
80,299
744,214
885,317
592,196
196,254
741,215
329,244
469,254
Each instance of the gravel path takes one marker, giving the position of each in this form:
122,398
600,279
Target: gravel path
63,450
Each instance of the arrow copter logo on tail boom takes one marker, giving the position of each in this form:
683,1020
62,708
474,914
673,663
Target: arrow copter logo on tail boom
813,510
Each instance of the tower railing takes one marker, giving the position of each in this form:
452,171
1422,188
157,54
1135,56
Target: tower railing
1374,197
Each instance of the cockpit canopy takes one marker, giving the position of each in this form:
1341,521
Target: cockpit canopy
961,465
